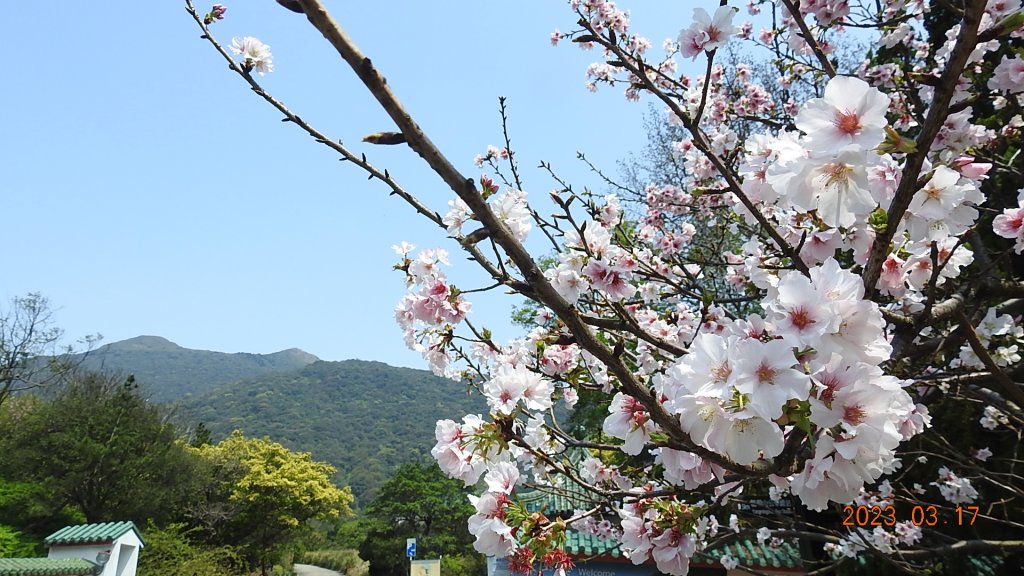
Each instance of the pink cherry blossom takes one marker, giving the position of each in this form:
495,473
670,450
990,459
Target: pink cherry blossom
255,54
1008,75
765,374
636,537
687,469
891,280
851,113
628,420
502,478
1010,224
939,196
707,33
504,393
493,536
672,550
559,359
613,280
743,440
799,312
835,185
955,489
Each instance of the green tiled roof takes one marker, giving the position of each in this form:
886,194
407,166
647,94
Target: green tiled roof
90,533
562,501
585,545
554,501
985,565
750,553
45,567
747,552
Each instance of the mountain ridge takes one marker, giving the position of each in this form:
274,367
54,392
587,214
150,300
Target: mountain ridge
169,372
362,416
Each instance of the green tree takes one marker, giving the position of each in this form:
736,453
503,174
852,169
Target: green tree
171,552
262,495
201,436
28,506
100,448
14,544
419,502
30,352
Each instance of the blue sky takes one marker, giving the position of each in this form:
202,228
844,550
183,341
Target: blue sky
147,191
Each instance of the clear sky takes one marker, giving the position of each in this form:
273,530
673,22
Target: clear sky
146,190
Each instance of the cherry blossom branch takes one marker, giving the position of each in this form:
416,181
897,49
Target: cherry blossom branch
417,139
465,188
631,328
829,568
1011,409
812,42
508,143
700,142
583,157
740,568
612,332
582,515
932,281
1009,386
569,472
346,154
706,88
937,113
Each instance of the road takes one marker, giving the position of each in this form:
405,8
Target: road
308,570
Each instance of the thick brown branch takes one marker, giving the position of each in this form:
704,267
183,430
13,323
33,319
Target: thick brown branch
500,234
937,113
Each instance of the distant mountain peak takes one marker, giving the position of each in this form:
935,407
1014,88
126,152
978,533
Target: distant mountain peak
296,354
144,343
170,372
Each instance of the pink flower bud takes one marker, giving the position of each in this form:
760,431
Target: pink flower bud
971,169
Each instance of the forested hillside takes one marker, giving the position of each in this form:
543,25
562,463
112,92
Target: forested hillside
363,417
168,372
94,449
87,446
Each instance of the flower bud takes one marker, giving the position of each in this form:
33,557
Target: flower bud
895,142
215,13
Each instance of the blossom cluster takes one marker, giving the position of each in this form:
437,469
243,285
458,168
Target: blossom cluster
427,315
999,329
816,355
798,387
255,54
772,314
954,489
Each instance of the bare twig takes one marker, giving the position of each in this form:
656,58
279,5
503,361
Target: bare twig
346,154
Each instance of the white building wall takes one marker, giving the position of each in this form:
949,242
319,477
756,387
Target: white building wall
124,554
86,551
127,560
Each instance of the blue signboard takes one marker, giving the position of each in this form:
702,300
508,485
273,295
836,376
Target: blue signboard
410,547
